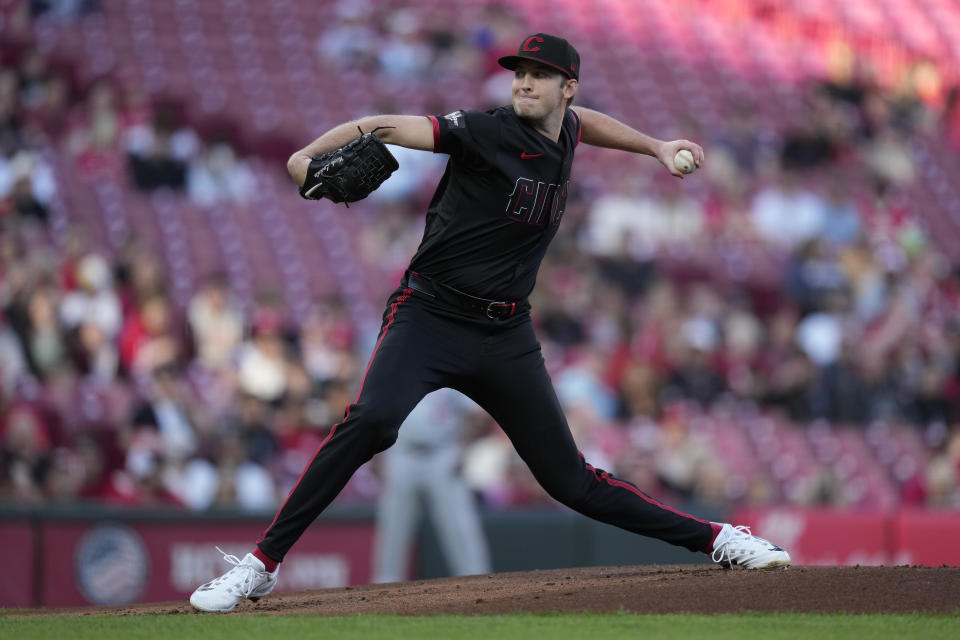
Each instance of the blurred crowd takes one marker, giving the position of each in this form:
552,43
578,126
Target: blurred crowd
799,282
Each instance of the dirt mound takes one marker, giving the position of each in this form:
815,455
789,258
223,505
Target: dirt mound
645,589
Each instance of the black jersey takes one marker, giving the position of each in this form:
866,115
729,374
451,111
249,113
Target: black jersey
498,204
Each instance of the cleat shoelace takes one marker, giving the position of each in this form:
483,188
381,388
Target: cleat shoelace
246,583
738,531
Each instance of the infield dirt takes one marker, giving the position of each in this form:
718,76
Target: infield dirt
646,589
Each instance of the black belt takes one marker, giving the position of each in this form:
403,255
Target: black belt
493,309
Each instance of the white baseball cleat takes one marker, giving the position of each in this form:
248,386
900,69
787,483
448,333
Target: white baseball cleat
737,546
247,579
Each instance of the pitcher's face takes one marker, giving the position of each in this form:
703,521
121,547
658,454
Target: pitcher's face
538,90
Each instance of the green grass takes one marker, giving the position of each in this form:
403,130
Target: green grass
616,626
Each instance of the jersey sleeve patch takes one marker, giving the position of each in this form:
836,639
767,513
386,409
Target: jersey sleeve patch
466,136
456,120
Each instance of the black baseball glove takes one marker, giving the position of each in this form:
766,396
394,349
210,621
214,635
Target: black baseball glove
351,172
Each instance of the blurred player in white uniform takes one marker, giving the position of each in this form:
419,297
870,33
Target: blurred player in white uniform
423,469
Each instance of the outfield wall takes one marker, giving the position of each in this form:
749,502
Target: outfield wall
79,556
827,537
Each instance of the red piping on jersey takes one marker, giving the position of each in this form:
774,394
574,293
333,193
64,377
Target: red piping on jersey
579,127
393,314
605,477
436,133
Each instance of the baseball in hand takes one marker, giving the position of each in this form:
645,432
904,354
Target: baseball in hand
684,161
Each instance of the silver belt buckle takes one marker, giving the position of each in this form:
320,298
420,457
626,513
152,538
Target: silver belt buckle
490,309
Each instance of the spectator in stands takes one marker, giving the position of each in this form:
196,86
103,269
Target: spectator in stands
495,34
715,484
94,299
821,334
241,482
95,130
139,276
158,154
25,454
142,480
11,117
62,9
251,421
389,245
940,483
581,384
787,213
225,480
299,431
888,156
94,354
350,42
740,353
950,117
842,394
813,274
787,373
51,113
452,55
26,186
40,332
169,408
821,488
682,217
262,360
637,461
149,339
694,374
218,175
216,324
930,401
680,452
35,72
13,364
640,391
742,144
326,344
486,460
404,53
623,218
817,138
841,220
65,477
334,395
99,472
866,280
761,491
23,204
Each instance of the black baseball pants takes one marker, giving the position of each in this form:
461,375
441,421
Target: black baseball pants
425,345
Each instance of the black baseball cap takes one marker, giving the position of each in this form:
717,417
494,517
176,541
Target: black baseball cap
549,50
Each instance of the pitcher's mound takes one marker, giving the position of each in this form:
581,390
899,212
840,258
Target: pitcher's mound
647,589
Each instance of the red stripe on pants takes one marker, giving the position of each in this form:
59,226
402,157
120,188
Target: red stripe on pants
386,327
